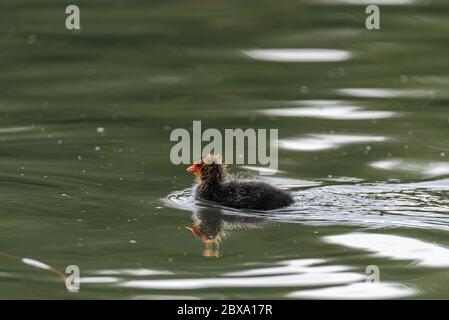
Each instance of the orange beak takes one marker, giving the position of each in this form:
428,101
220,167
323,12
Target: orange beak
195,229
194,168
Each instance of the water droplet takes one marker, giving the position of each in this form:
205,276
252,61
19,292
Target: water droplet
11,31
331,74
31,39
341,71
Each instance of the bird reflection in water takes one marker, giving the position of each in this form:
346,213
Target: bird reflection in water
212,226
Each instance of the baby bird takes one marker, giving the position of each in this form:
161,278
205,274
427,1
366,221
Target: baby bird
213,184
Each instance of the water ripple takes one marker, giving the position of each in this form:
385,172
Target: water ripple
292,273
298,55
386,93
414,205
421,167
318,142
360,290
395,247
327,109
369,2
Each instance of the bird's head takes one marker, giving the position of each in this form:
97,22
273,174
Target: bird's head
210,168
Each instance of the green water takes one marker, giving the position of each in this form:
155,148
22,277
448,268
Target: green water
363,147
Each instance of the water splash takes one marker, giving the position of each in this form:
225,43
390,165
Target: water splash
381,205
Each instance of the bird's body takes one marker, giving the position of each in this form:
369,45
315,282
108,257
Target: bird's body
245,194
214,185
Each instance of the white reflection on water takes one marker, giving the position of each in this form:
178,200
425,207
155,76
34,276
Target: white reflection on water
290,273
327,109
375,2
133,272
163,297
395,247
385,93
17,129
283,274
423,168
361,290
36,264
99,280
343,179
298,55
413,205
317,142
292,266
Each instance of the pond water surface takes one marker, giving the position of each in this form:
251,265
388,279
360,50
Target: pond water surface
86,177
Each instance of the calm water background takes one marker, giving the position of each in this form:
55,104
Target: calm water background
85,173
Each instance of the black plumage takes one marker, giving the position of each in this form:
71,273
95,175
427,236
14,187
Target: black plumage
215,185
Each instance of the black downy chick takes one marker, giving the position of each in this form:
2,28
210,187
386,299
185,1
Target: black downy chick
213,185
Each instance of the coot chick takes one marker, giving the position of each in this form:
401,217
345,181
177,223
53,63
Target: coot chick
214,184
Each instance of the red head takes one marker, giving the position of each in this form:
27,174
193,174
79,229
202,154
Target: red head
196,168
208,169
